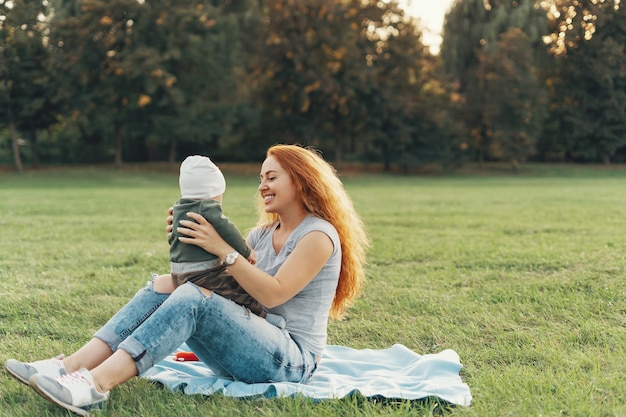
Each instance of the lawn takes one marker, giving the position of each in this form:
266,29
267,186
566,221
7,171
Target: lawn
522,275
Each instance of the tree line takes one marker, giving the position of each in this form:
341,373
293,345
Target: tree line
85,81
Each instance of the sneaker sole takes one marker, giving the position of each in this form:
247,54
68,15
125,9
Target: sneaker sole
16,376
33,384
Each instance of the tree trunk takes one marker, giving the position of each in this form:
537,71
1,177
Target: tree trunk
338,156
338,151
607,159
118,145
481,158
172,156
16,149
34,151
384,149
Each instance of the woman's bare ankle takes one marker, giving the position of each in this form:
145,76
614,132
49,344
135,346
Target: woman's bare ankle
70,365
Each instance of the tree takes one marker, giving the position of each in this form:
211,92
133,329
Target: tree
590,82
513,118
24,86
470,25
162,69
91,42
410,98
194,73
310,67
345,76
472,42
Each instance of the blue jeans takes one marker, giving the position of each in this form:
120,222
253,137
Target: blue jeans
228,338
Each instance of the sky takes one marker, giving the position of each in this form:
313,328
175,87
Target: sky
431,13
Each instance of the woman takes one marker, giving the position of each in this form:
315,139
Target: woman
310,247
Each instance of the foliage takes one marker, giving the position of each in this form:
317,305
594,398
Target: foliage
513,119
167,70
25,88
316,77
408,98
473,24
590,78
352,77
522,275
495,50
130,80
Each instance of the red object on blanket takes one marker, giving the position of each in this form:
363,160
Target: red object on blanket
186,356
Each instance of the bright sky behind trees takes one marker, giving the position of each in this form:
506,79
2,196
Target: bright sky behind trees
431,13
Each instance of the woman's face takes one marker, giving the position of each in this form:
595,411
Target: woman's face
276,187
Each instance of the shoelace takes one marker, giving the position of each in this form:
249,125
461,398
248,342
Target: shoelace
73,378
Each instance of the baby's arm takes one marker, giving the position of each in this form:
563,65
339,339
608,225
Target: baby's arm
227,230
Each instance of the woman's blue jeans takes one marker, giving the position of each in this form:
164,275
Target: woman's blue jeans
228,338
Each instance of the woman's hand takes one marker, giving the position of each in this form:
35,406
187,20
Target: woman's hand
252,257
202,233
169,220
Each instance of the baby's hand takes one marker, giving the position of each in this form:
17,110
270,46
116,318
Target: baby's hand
252,257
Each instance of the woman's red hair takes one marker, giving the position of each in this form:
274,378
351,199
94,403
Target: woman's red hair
322,194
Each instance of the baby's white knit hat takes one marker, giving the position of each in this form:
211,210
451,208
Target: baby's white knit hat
200,178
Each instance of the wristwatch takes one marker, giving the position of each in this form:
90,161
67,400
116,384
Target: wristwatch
231,258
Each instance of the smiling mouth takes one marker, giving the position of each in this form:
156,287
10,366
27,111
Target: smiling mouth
268,198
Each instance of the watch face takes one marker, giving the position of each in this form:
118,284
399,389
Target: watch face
231,258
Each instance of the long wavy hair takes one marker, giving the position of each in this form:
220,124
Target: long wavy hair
321,193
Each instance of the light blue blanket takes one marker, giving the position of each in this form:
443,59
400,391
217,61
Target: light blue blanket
393,373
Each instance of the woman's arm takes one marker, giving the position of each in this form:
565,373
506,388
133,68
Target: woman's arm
301,266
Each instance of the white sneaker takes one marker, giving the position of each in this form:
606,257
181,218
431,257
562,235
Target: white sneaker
22,371
75,392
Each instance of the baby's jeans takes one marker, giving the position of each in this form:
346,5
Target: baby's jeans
228,338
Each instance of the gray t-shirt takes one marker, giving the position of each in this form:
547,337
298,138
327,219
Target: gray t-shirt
306,314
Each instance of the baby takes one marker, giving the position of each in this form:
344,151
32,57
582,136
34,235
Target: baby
202,186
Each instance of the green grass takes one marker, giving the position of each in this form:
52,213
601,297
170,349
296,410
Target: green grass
523,275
